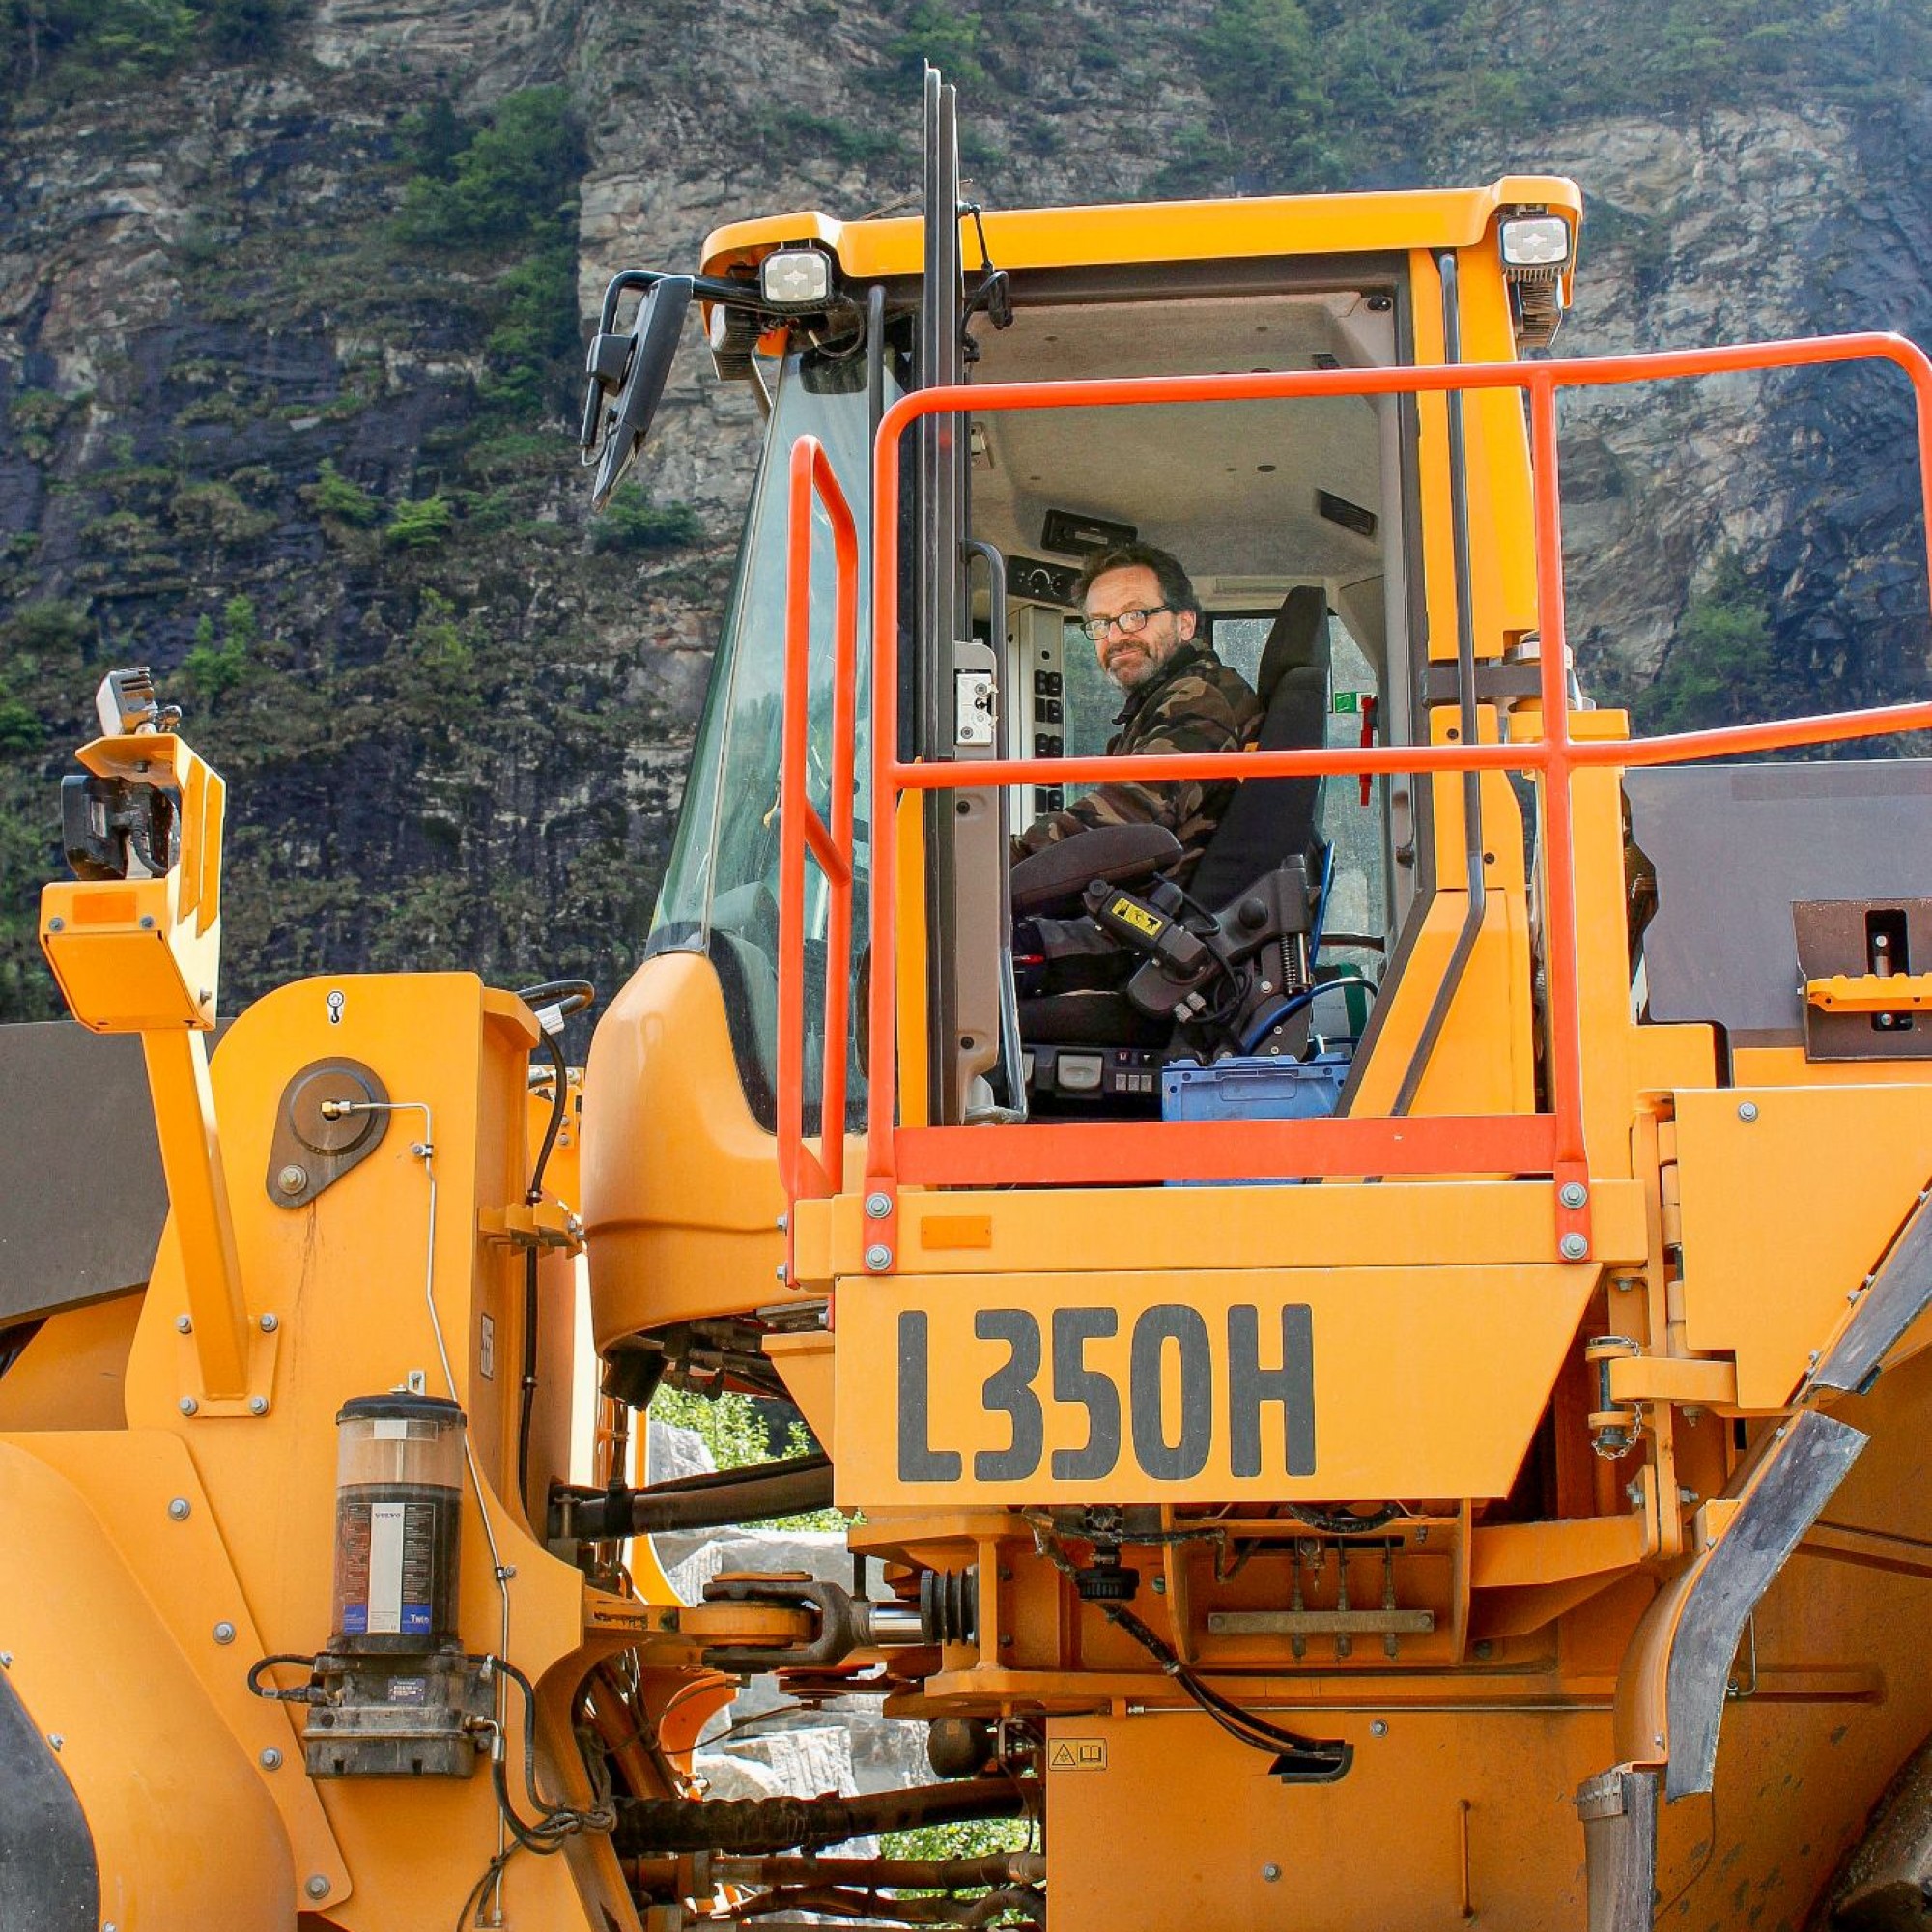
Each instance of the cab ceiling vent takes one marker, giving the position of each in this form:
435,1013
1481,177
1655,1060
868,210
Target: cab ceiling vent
1351,516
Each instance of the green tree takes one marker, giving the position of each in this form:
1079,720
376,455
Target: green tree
420,525
216,666
948,38
634,522
534,351
1263,65
342,498
1723,666
509,183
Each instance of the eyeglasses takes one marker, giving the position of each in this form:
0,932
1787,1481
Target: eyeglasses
1127,623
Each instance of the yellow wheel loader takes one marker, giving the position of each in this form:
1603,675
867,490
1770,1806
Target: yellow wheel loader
1402,1401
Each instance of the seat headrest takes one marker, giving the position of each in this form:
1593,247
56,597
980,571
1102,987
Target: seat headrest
1297,638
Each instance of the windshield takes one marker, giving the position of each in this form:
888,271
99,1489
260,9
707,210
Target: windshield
719,894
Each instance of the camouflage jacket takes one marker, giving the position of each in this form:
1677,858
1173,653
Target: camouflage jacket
1193,703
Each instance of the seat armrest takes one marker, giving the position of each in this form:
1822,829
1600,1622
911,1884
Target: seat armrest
1120,854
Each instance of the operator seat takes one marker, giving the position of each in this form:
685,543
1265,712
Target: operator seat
1268,822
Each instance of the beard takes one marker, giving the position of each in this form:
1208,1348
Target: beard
1131,664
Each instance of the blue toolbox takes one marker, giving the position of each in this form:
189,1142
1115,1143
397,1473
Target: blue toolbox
1252,1088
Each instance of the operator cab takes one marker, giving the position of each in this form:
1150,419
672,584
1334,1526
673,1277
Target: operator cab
1287,516
1300,520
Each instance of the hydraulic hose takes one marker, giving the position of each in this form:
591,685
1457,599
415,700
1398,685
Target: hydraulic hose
754,1495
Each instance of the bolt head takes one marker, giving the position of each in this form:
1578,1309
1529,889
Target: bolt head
292,1179
187,1404
146,922
224,1631
1379,1728
5,1660
183,1326
1485,1648
878,1258
878,1206
1748,1111
269,1323
271,1759
1573,1194
179,1509
55,1739
317,1886
56,925
1575,1248
1270,1874
258,1404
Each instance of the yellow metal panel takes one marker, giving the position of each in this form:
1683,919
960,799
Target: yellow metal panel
116,974
1787,1066
347,1277
1445,1819
184,1817
1087,1230
806,1363
70,1375
1178,231
680,1187
135,954
1311,1385
1784,1213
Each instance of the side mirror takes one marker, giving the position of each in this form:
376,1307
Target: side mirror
627,379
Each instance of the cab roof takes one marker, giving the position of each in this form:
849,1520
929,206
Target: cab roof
1174,231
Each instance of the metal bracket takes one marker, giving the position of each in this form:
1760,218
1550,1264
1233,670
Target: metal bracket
312,1150
263,1350
550,1224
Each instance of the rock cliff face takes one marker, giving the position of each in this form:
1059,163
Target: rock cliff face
274,419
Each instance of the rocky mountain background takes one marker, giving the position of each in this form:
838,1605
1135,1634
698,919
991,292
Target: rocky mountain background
293,294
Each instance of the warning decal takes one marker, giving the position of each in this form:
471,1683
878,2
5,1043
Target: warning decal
1078,1755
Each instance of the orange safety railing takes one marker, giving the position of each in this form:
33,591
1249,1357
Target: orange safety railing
1117,1152
799,826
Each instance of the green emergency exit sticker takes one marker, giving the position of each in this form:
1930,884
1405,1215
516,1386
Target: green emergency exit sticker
1349,701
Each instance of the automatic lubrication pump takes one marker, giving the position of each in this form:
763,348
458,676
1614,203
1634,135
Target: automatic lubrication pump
394,1694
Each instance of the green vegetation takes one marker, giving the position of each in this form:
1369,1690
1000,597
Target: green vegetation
788,134
1306,94
507,186
975,1838
1722,666
535,343
69,46
420,525
335,495
631,522
215,666
35,415
45,687
215,514
948,37
497,184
